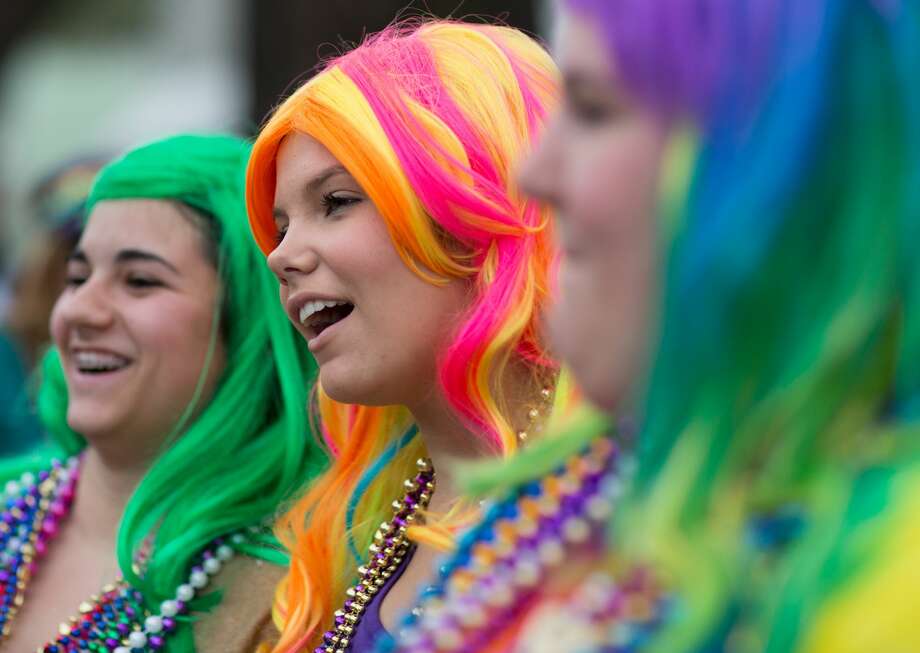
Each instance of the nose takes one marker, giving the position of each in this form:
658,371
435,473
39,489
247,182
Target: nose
294,256
84,308
539,172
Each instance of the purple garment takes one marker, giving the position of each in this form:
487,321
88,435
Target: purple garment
370,628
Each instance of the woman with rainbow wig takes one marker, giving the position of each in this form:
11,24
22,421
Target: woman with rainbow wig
764,155
383,193
175,397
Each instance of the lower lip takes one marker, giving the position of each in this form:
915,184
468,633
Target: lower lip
317,343
91,380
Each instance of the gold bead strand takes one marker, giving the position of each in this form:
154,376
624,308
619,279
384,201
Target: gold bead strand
536,413
386,553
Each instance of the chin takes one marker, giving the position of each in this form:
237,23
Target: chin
603,369
608,379
346,389
601,390
90,424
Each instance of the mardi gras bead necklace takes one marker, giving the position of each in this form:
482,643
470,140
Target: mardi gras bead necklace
385,555
32,510
114,621
535,413
499,565
601,614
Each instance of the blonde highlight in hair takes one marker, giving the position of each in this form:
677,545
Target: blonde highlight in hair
430,119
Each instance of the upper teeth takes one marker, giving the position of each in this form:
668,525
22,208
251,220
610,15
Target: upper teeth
93,360
308,309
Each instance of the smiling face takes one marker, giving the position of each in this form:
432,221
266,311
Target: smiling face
134,323
375,328
598,165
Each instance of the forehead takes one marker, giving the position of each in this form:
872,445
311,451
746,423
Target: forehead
580,49
147,224
302,156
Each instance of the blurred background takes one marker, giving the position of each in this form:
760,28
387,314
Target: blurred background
83,81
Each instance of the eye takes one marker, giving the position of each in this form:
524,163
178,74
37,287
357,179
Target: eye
591,112
76,275
281,226
334,203
593,103
142,282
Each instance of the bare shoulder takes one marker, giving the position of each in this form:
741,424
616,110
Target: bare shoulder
242,621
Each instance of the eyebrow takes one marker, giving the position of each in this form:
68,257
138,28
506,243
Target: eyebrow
315,182
127,256
576,79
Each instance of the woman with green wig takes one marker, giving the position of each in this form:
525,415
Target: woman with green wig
738,191
176,396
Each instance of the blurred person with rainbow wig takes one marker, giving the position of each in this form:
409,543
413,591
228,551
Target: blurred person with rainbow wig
383,193
57,202
175,397
738,191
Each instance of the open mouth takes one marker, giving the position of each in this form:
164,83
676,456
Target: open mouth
317,316
94,362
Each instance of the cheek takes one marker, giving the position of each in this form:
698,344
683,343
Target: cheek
600,325
413,320
391,358
607,282
57,324
438,314
178,332
283,294
613,186
400,322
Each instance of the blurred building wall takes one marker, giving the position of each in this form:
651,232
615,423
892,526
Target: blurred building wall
290,37
98,77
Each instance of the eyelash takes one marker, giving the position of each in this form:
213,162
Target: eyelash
138,283
143,282
333,203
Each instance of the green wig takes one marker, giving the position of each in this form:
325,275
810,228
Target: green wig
250,448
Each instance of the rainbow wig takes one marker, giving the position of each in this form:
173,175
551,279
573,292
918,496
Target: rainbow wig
787,381
430,119
249,448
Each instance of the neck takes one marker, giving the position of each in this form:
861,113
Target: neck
101,496
448,442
